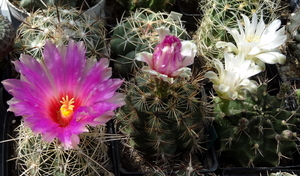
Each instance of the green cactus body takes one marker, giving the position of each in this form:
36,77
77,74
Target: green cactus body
60,25
257,131
219,14
154,5
136,33
7,36
36,157
293,47
163,120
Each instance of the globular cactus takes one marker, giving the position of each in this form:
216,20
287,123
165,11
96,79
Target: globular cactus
163,120
60,25
219,15
293,46
155,5
137,33
7,36
257,131
36,157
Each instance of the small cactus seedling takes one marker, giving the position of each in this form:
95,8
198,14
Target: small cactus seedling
219,15
7,36
60,25
257,131
163,119
137,33
36,157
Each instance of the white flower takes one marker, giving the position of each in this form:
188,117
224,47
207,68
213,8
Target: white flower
232,81
259,42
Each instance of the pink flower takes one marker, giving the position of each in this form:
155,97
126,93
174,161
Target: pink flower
61,94
170,57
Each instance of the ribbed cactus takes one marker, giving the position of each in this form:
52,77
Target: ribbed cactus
257,131
136,33
293,46
7,36
162,119
220,14
155,5
36,157
60,25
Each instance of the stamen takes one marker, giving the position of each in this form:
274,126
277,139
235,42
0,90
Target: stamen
253,38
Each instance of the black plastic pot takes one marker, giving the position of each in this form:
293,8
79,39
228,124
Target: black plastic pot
7,123
209,155
191,17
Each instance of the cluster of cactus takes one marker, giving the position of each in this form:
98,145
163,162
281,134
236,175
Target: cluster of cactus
36,157
59,25
155,5
257,131
7,36
163,120
137,33
219,15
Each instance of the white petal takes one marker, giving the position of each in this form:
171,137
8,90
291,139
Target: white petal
188,52
145,57
162,32
212,76
182,72
223,88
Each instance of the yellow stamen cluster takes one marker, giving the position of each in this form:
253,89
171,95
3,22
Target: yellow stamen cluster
253,38
67,106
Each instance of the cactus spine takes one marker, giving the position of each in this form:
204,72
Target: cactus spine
162,119
136,33
36,157
60,25
219,14
257,131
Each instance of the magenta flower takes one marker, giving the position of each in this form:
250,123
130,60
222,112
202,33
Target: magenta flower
61,94
170,57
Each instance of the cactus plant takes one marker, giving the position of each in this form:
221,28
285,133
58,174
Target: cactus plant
136,33
257,131
165,106
292,29
36,157
163,120
59,25
33,5
7,36
154,5
219,15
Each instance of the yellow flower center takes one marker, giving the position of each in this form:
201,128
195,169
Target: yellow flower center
253,38
66,109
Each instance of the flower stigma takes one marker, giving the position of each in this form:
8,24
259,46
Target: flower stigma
67,106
